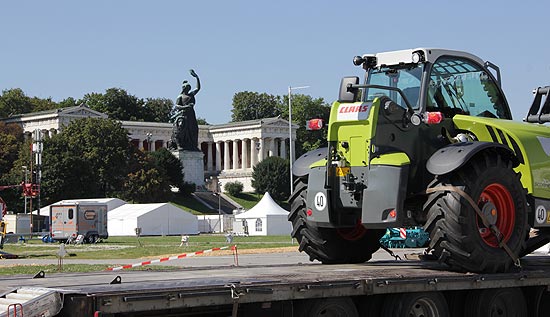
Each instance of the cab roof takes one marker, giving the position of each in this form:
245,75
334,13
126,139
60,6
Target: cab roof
406,56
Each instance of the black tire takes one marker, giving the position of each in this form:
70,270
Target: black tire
457,235
328,245
455,302
425,304
538,301
370,305
496,302
330,307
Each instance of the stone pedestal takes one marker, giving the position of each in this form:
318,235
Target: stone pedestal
193,166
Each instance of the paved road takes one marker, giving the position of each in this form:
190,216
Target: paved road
210,260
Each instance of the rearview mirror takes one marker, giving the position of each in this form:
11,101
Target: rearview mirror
348,94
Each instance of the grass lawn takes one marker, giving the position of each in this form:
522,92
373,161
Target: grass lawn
53,268
131,248
247,200
190,204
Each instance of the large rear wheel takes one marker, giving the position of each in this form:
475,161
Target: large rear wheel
458,236
329,245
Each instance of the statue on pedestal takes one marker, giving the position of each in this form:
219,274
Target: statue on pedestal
185,134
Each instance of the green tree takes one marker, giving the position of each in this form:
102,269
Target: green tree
170,165
13,102
146,182
157,109
39,104
252,105
234,188
66,174
202,121
272,175
89,158
69,102
117,104
11,138
304,108
11,173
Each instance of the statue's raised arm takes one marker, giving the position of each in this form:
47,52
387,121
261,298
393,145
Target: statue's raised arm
196,90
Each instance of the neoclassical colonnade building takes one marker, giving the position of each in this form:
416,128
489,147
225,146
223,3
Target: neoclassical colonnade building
230,150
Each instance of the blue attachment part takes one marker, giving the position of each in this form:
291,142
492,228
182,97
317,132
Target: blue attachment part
416,238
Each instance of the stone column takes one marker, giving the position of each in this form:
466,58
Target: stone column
153,145
283,148
218,156
262,150
235,154
270,147
244,152
140,144
226,159
209,157
253,152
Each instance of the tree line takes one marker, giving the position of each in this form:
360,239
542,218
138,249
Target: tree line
94,158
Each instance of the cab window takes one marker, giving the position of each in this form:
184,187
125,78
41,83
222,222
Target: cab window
405,78
460,86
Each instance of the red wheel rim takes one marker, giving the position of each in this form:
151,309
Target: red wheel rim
504,211
352,234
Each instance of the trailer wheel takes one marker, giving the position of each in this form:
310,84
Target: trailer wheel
328,245
457,234
93,239
538,301
496,302
337,307
423,304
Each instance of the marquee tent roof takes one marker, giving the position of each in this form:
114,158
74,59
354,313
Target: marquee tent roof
266,206
112,203
153,219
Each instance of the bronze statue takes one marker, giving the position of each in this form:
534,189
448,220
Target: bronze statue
185,135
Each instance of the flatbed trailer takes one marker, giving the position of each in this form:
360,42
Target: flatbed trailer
379,288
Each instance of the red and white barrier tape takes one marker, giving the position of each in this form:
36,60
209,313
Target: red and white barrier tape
184,255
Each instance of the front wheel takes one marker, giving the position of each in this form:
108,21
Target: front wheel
329,245
458,236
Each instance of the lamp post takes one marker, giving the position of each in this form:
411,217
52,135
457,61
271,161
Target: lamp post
25,196
219,187
291,148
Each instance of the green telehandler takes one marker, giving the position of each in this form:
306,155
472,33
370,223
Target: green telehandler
427,140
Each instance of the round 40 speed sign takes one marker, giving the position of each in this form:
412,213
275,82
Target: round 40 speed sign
320,201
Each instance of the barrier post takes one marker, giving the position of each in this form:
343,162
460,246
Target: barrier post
235,255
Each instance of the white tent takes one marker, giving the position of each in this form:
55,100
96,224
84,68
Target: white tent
111,203
265,219
153,219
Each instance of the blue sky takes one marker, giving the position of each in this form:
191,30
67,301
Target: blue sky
65,49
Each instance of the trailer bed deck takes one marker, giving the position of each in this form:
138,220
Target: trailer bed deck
130,291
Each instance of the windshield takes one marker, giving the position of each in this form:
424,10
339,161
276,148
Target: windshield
407,79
